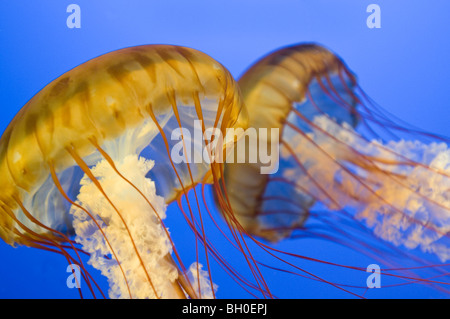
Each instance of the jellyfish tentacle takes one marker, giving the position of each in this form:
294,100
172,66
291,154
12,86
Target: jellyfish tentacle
88,172
172,99
242,281
183,187
64,194
37,240
111,162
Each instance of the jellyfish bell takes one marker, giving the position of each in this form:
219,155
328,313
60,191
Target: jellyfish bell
272,88
90,155
343,161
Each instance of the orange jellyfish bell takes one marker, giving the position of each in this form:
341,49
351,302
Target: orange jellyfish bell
274,89
90,155
342,161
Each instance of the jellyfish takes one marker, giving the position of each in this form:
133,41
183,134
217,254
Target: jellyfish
86,167
348,172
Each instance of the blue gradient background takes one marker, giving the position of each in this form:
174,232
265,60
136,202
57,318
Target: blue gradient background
403,66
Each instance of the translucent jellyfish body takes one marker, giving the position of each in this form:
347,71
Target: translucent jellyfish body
89,155
347,171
